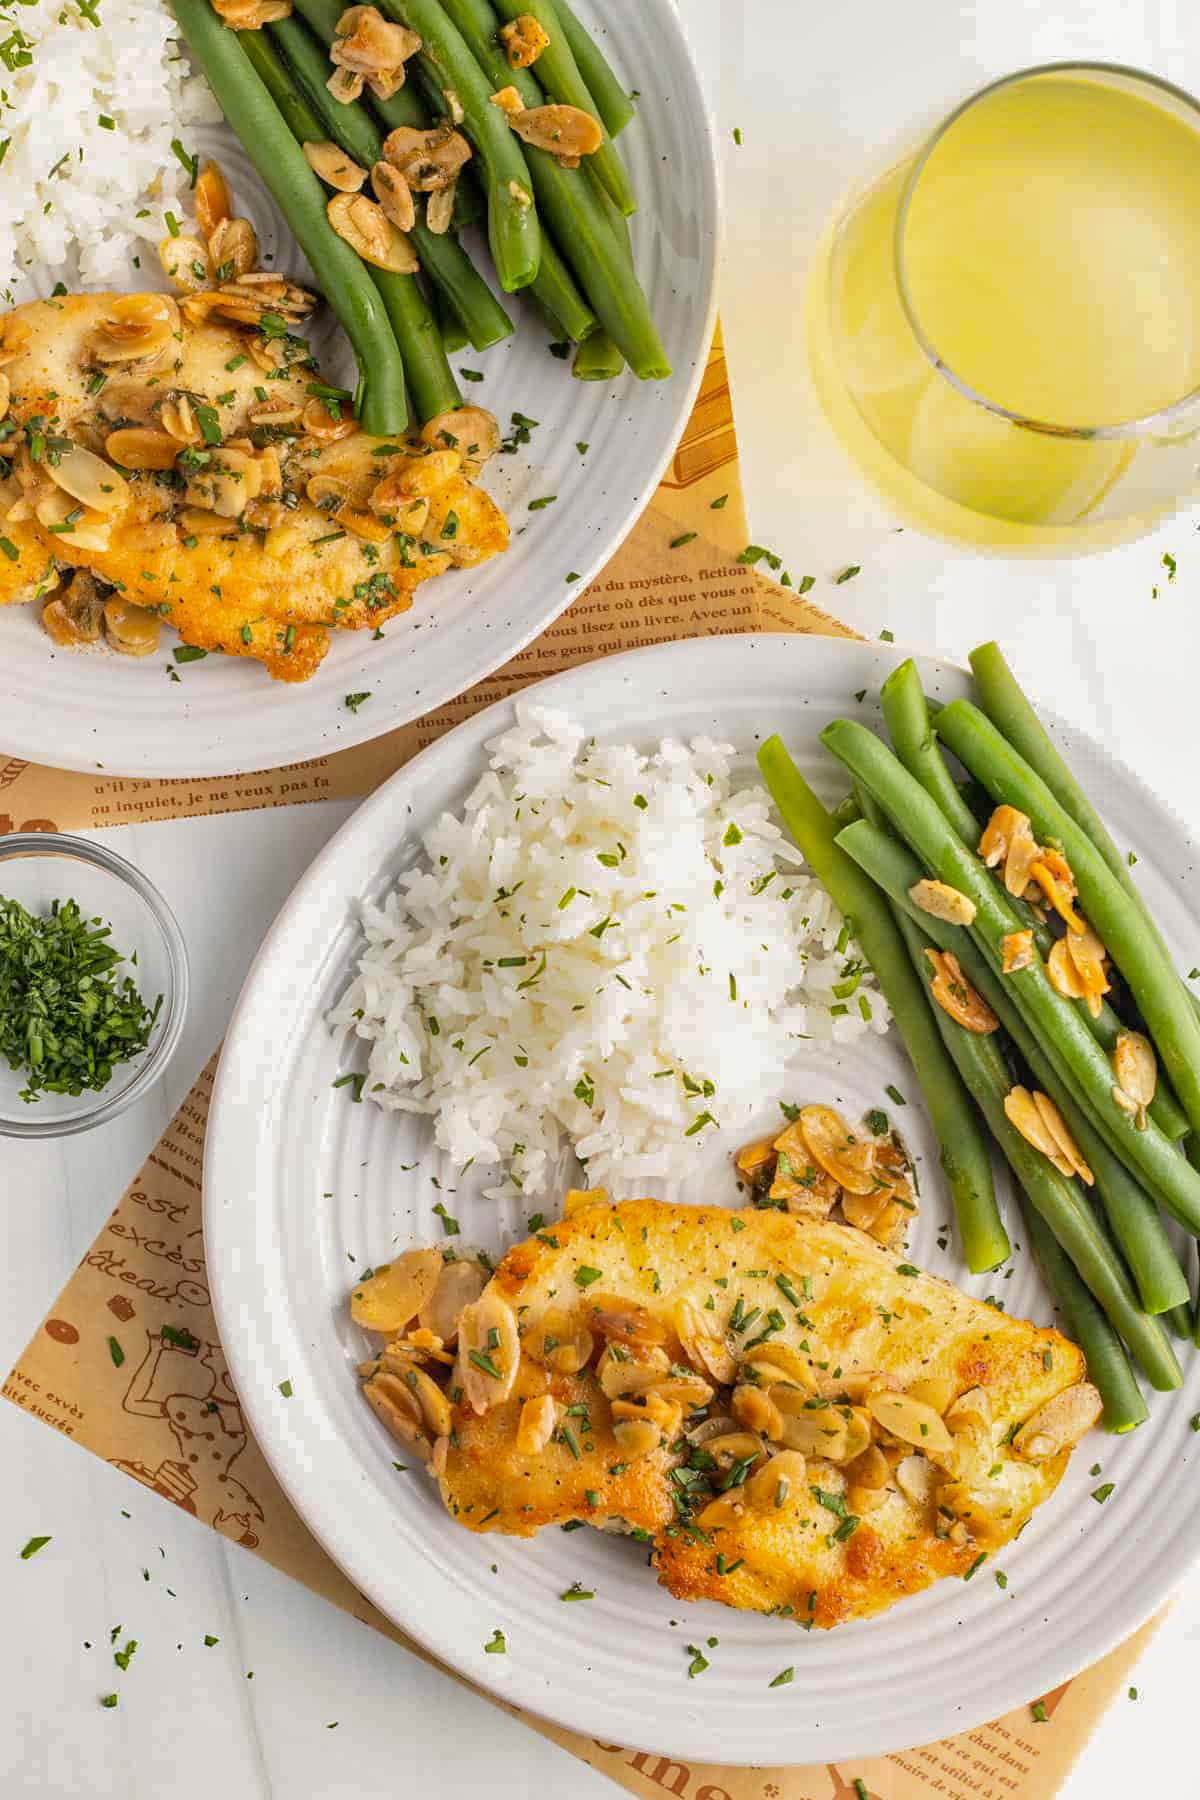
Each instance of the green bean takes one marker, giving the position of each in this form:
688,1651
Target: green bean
907,718
267,140
906,712
514,233
454,337
1013,715
559,74
980,1062
597,359
612,102
430,379
1107,1364
964,1155
1053,1020
1132,1216
1113,913
556,290
352,127
573,211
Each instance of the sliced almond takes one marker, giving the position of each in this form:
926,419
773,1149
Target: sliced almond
508,99
702,1340
955,995
185,261
818,1431
90,480
622,1321
392,1297
784,1364
972,1411
439,210
538,1423
75,527
137,328
233,248
726,1509
916,1478
459,1285
330,163
1017,950
863,1210
560,1340
211,198
394,195
751,1159
870,1469
319,422
524,39
133,630
369,232
776,1482
428,160
345,85
1052,873
935,1390
561,130
912,1421
636,1437
1068,1149
623,1372
1059,1424
848,1158
1063,972
1136,1069
757,1412
941,901
142,447
489,1351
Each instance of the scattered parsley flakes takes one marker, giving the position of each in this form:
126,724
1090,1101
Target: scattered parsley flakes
847,574
698,1663
450,1225
577,1591
116,1352
1101,1494
108,1700
584,1275
352,702
497,1644
737,134
685,537
286,1389
720,502
546,500
186,653
33,1546
1169,564
1037,1713
784,1677
209,1640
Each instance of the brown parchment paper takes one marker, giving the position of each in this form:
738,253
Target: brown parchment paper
653,590
167,1414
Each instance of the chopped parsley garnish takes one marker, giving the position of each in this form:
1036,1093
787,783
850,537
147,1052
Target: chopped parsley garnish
186,653
1101,1494
698,1663
352,702
895,1096
497,1644
685,537
585,1276
783,1678
66,1018
285,1388
33,1546
539,505
450,1225
116,1352
848,573
577,1591
1037,1713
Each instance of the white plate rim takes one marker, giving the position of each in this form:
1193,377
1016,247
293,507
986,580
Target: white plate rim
935,1716
195,759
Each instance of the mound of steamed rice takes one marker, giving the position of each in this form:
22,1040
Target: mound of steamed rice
93,95
609,952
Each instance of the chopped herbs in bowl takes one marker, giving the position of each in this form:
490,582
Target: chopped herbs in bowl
93,984
67,1016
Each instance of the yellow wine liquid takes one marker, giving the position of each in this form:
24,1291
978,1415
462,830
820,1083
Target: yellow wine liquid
1051,252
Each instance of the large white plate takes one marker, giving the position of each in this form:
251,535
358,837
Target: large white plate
298,1179
80,710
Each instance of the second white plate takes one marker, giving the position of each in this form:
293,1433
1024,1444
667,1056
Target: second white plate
90,709
303,1188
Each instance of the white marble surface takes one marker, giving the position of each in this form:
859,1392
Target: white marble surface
815,92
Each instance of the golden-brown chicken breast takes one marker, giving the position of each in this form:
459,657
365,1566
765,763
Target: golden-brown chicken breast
197,466
802,1421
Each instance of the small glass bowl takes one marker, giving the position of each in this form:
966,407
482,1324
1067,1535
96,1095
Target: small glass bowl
37,868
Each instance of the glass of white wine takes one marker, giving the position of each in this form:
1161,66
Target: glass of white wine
1004,327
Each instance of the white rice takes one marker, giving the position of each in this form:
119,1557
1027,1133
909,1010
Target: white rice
609,951
71,187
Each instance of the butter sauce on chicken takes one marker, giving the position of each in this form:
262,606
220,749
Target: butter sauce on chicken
796,1419
180,460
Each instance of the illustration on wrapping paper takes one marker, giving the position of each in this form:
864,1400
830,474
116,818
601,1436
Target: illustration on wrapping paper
185,1384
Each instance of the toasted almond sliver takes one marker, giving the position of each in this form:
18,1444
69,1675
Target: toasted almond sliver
1021,1111
90,480
211,198
1052,873
439,210
1064,1152
941,901
1017,949
508,100
1136,1069
561,130
1060,1423
955,995
394,195
233,248
330,162
912,1421
368,231
846,1156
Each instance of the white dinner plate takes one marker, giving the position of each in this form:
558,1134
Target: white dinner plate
83,709
299,1179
